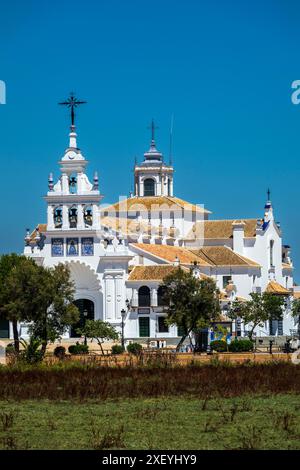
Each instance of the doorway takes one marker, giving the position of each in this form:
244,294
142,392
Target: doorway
87,312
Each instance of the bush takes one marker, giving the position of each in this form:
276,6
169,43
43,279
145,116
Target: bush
218,345
59,352
134,348
10,349
78,348
241,345
117,349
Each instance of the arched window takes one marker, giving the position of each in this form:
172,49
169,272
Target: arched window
73,217
144,296
57,216
271,252
160,296
149,187
73,183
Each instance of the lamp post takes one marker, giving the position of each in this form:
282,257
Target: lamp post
85,314
123,314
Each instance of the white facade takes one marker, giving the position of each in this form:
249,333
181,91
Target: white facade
102,245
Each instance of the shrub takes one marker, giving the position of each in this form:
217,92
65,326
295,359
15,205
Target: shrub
10,349
134,348
117,349
78,348
60,352
218,345
241,345
31,353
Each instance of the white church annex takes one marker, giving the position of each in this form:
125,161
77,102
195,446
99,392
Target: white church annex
118,255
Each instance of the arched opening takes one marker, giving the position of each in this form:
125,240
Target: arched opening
57,216
160,296
88,216
149,187
144,296
87,312
73,183
271,253
73,217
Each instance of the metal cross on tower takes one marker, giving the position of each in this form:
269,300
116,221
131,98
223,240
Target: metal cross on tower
72,103
268,194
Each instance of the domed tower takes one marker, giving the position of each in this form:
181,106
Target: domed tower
153,177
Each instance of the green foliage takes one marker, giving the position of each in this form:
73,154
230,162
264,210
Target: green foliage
218,345
117,349
16,290
191,302
296,308
78,348
134,348
31,352
60,352
241,345
98,330
42,296
259,309
54,310
10,349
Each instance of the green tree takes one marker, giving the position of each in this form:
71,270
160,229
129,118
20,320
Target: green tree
99,330
16,290
53,310
191,302
257,310
296,308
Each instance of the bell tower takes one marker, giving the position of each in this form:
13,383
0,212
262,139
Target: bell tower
73,201
153,177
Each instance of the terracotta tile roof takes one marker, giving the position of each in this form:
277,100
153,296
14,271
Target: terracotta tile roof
42,228
169,253
275,288
223,256
154,203
206,256
223,296
296,294
286,266
223,229
151,273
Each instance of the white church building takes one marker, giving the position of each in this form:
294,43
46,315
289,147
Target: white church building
118,255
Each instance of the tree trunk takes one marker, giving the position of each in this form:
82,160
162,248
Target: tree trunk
100,344
44,347
16,336
182,340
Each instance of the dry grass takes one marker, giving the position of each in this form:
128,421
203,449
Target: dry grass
82,382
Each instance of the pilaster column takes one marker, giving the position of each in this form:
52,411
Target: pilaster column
65,183
153,297
134,301
96,216
65,217
50,217
79,182
80,220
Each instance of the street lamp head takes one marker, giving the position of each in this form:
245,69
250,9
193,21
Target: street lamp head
123,313
85,313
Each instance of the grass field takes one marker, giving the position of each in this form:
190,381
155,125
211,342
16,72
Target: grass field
266,422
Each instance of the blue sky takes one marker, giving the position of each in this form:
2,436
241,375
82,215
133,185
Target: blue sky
224,68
